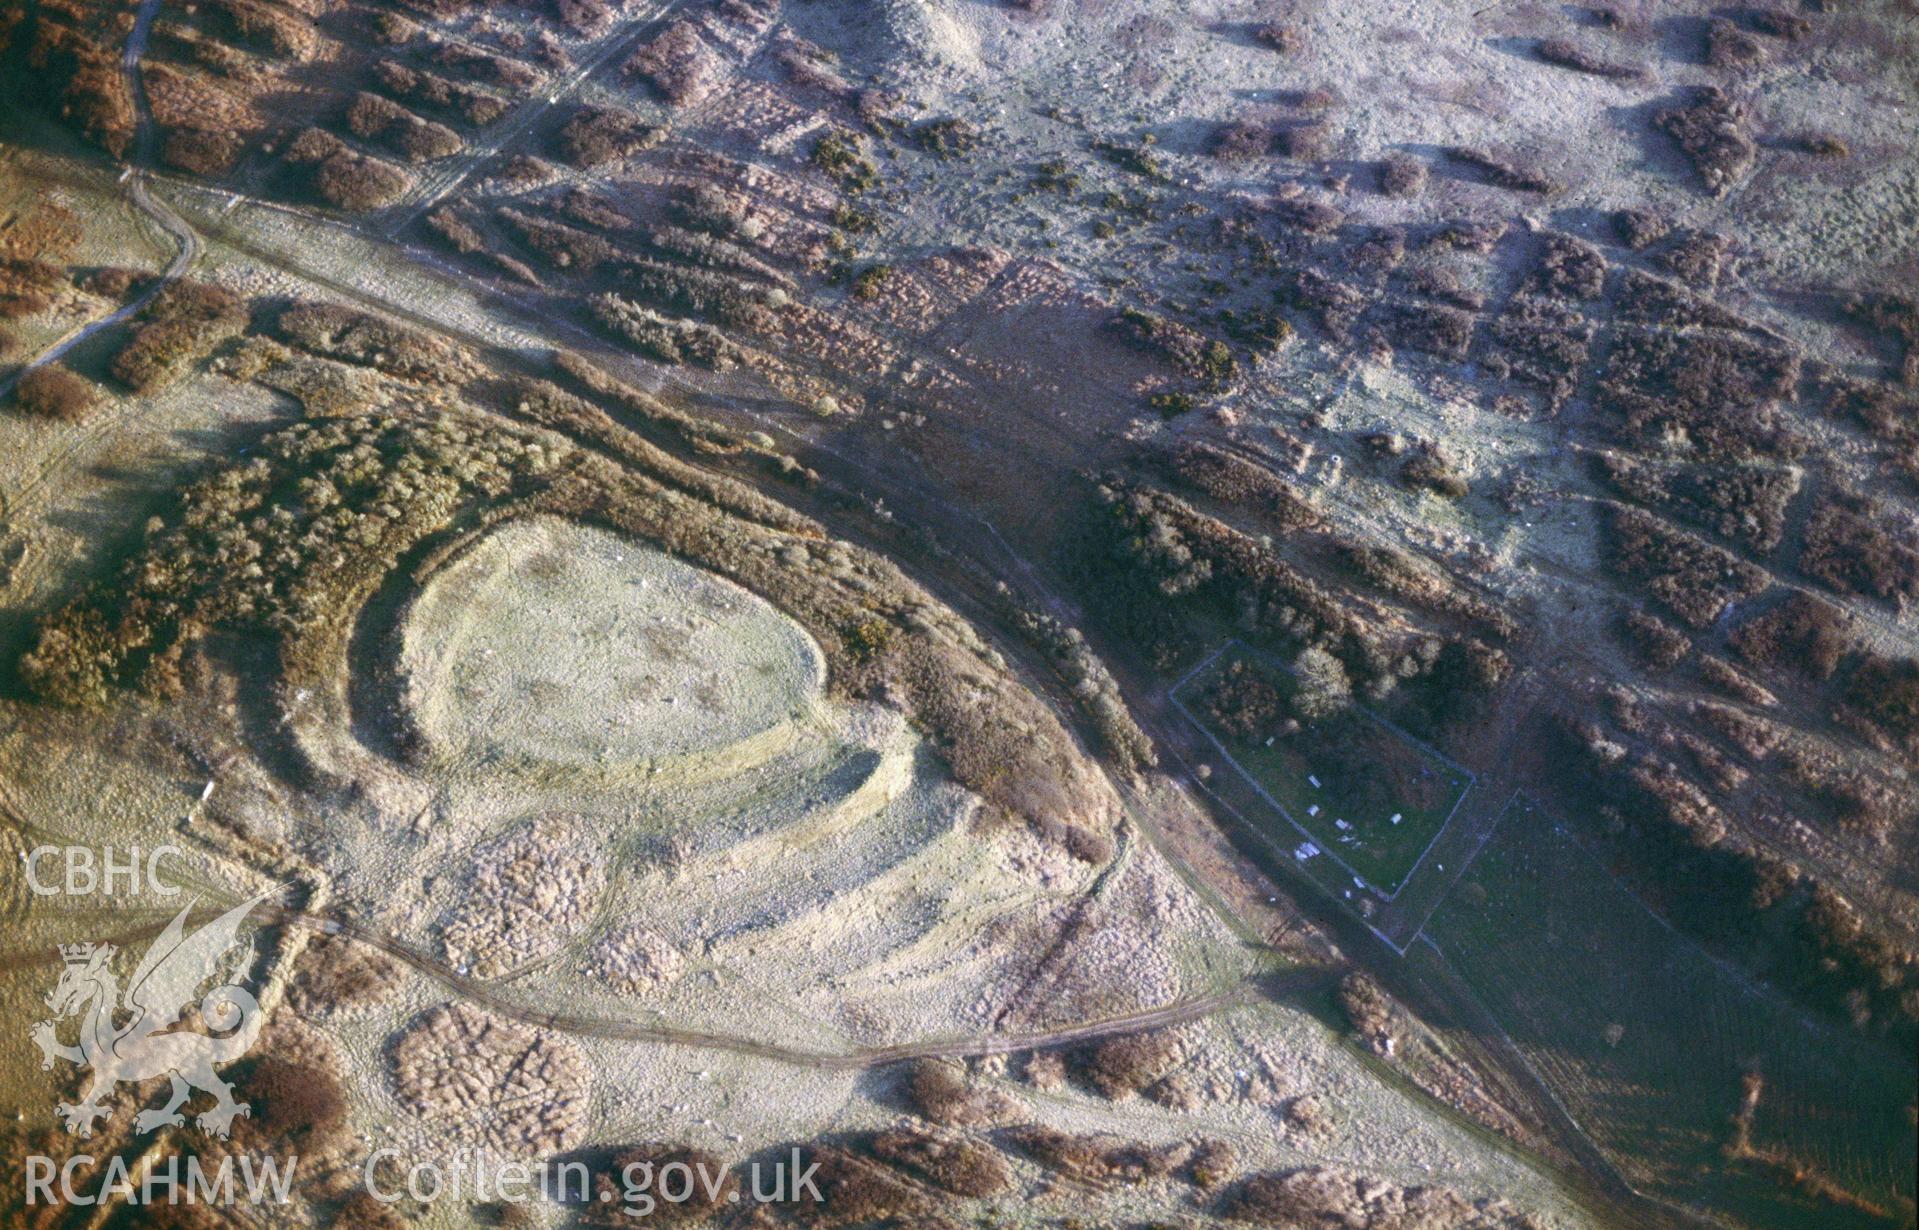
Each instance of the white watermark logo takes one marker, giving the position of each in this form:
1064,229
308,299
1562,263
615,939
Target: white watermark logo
76,871
162,987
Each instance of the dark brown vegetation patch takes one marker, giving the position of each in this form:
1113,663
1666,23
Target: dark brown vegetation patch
1207,360
1121,1066
1697,257
1647,300
357,182
1443,331
677,64
372,117
1714,131
1568,269
277,543
949,1162
1729,47
345,333
1693,578
1744,503
1803,634
51,391
1858,546
469,102
1244,701
856,1191
1539,342
1639,228
183,324
1499,172
1714,392
28,286
1886,692
1653,641
1233,479
1402,176
200,152
1567,54
597,136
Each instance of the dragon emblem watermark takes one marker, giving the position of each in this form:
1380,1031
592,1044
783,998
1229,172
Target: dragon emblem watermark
146,1046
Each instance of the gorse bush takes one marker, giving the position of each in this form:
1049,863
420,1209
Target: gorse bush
279,543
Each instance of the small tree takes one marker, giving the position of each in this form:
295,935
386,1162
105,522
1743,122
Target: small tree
1324,688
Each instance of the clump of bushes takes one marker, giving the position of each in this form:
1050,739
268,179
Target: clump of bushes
1713,130
344,178
1430,468
1368,1009
1540,343
1696,256
1802,634
942,1092
1335,305
1639,228
1307,215
1414,580
1895,316
728,300
283,32
1402,176
1100,1160
340,332
1568,269
1693,578
709,209
597,136
1231,478
469,102
950,137
843,157
52,391
715,253
1727,46
199,151
1567,54
1746,504
476,62
947,1162
182,325
706,1201
1647,300
1654,642
1716,393
678,64
1443,331
1245,701
27,286
1886,692
1304,142
870,281
1853,546
1240,140
1207,360
1281,38
564,247
1778,23
857,1191
663,338
1093,688
372,117
280,543
1499,172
